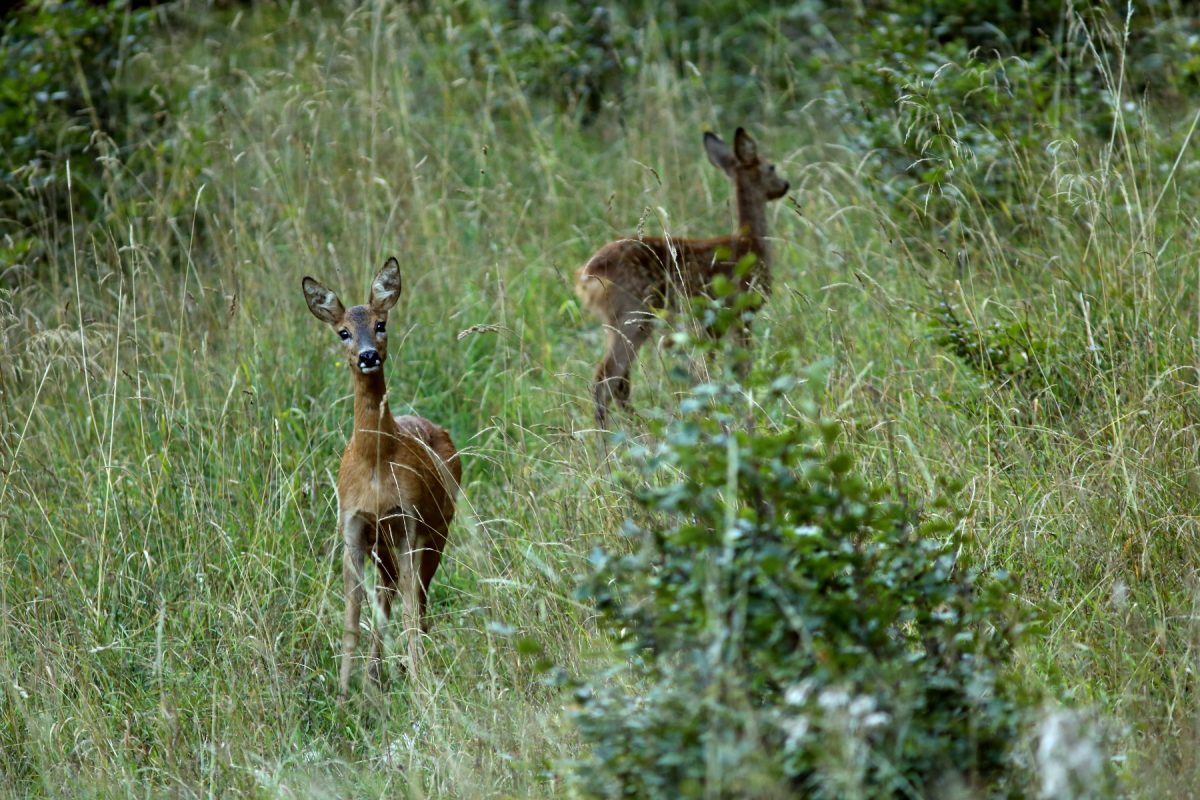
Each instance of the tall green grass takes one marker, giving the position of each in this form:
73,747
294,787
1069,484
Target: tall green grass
172,416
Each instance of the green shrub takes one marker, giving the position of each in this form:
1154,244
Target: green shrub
60,101
998,24
788,624
961,105
1011,355
573,57
952,126
576,58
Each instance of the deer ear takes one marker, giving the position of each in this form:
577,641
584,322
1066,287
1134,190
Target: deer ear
718,152
385,289
323,303
744,147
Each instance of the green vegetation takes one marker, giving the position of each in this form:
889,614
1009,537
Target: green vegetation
788,626
990,251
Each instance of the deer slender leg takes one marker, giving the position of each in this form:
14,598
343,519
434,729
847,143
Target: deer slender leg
354,537
625,336
431,557
409,561
384,594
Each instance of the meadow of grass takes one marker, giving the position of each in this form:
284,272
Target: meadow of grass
172,416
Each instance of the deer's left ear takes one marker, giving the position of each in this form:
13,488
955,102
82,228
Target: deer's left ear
744,147
385,289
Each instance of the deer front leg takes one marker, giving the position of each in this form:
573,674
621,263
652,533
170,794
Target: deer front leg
354,541
625,337
409,579
384,593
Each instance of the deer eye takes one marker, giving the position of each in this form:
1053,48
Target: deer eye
345,334
381,327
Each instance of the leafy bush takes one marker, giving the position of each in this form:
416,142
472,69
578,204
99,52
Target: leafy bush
952,124
1012,27
1011,355
574,56
59,69
961,102
579,57
789,625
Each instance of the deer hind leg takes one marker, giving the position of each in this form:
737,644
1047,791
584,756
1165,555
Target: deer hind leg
409,559
625,336
431,557
354,535
385,592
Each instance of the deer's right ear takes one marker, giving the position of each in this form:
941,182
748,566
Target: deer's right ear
323,303
718,152
744,147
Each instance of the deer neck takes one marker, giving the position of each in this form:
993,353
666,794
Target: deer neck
375,431
752,222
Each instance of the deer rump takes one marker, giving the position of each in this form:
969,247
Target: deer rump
630,277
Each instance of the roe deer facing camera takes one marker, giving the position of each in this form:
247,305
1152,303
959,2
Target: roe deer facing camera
628,278
397,483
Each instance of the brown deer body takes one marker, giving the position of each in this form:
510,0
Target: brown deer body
397,482
627,279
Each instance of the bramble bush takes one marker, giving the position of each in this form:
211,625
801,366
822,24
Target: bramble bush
786,623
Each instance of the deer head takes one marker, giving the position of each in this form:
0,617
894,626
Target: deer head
750,173
362,329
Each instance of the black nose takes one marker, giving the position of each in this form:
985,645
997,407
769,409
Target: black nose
368,359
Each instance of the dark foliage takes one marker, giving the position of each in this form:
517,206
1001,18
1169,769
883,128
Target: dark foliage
62,101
